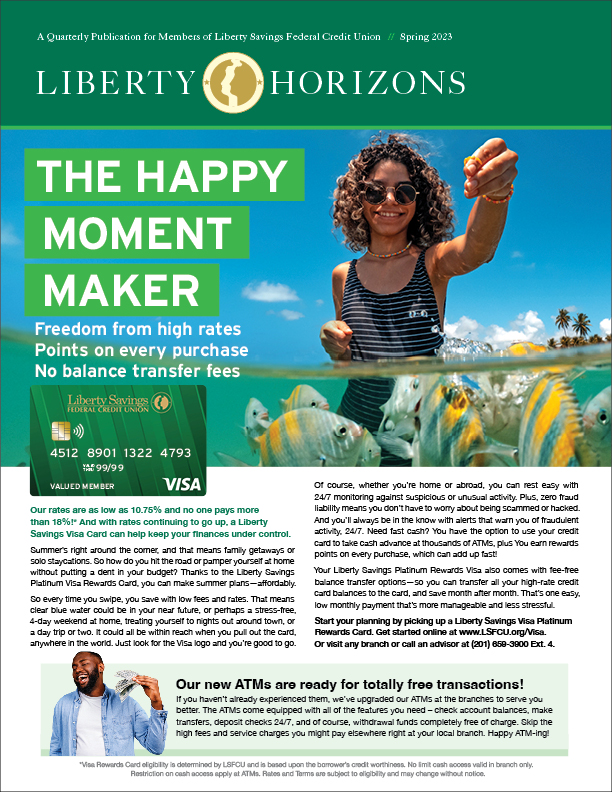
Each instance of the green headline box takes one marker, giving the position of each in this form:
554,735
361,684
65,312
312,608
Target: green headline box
164,174
125,290
337,709
136,232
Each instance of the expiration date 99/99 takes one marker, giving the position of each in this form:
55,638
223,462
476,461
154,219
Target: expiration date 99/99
128,453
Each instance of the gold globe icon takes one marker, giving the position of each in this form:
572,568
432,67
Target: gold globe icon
233,82
161,402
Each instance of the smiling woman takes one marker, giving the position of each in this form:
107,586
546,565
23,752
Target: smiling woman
390,302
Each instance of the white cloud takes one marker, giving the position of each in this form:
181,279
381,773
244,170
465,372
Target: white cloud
464,328
269,292
604,326
500,338
290,316
530,322
517,254
8,235
319,302
526,327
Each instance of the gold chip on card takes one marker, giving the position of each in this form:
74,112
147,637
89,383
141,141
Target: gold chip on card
60,430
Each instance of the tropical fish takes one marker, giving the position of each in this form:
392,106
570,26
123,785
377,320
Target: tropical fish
596,422
401,403
498,397
524,348
369,455
397,439
303,396
448,429
551,433
256,420
449,432
308,438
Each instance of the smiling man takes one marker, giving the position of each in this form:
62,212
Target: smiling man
93,722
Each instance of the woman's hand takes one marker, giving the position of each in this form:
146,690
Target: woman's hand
494,177
336,337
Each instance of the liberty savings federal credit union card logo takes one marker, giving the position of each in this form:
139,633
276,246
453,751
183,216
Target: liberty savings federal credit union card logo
160,402
233,82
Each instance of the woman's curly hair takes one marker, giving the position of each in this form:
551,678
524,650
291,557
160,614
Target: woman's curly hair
433,219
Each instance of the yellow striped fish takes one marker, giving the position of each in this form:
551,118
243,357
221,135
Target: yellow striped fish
303,396
524,348
449,432
551,433
596,420
311,438
256,421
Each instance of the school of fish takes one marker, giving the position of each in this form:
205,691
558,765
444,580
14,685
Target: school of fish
306,434
530,418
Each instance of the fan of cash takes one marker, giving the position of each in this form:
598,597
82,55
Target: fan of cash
125,685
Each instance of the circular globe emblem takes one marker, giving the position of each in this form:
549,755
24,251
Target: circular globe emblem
161,402
233,82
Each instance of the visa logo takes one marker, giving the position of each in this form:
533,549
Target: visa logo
183,484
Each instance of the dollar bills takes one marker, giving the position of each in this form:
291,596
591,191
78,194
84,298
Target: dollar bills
125,685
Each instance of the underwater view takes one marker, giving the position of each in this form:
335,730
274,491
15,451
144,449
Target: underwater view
467,407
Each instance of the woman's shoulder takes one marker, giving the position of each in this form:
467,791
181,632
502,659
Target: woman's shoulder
341,270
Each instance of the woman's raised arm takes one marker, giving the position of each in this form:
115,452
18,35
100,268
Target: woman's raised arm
489,176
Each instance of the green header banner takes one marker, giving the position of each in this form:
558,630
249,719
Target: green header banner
164,174
249,65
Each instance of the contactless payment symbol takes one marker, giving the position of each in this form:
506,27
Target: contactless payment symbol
60,430
233,82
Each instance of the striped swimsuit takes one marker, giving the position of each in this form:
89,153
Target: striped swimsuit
401,324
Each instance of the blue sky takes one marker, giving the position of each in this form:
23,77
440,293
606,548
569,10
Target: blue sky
555,252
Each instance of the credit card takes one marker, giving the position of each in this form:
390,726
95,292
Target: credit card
118,440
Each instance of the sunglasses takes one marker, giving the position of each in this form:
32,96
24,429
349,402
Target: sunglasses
376,194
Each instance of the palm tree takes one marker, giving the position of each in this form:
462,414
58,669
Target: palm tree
565,341
581,324
608,338
563,319
552,343
595,339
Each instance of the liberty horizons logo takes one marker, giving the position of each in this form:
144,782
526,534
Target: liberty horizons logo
284,83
